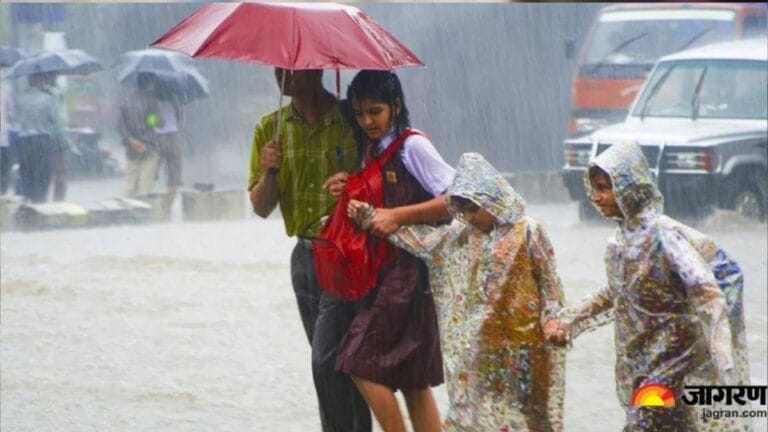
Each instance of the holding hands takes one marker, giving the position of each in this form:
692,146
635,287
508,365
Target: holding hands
381,221
556,333
360,213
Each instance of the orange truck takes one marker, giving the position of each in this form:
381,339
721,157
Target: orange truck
625,41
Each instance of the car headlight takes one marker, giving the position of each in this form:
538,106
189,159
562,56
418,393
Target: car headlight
690,160
576,156
588,124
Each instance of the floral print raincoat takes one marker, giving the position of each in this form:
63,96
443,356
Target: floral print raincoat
675,299
493,294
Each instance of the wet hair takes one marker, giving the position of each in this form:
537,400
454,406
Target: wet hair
381,86
463,204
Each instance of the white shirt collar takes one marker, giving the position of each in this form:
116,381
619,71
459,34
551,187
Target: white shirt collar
387,139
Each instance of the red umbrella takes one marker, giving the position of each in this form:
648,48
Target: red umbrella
292,36
289,35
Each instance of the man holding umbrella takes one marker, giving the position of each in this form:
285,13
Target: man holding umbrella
8,57
176,82
41,136
301,152
40,119
138,117
314,143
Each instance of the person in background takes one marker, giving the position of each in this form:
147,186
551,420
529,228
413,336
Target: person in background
7,158
139,115
169,142
41,133
60,148
292,170
674,297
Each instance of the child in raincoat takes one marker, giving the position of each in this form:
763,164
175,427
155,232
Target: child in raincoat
676,325
492,275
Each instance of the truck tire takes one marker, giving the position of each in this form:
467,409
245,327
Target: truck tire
749,203
744,194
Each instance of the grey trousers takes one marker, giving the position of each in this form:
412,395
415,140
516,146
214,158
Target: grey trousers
326,321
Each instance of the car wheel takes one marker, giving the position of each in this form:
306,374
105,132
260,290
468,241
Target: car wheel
748,203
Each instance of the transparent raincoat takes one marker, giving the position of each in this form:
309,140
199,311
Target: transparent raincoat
675,299
493,293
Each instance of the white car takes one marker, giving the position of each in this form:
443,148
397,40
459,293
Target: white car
701,119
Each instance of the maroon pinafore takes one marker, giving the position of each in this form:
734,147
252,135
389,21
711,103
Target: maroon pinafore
394,340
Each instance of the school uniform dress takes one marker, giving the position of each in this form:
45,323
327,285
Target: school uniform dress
394,340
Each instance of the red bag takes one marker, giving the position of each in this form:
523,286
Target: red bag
347,259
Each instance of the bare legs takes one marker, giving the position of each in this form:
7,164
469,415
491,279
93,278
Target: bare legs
423,410
422,407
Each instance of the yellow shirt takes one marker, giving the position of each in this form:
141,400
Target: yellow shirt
310,156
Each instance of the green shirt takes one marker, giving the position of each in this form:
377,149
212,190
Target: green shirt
310,156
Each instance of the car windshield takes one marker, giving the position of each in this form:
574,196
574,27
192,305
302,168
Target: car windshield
631,37
706,89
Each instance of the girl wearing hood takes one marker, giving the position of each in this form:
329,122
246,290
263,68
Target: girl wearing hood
676,325
492,274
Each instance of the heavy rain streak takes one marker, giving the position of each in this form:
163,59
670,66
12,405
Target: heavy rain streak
175,311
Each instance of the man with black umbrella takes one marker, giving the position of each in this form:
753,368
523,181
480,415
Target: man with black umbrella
41,135
139,116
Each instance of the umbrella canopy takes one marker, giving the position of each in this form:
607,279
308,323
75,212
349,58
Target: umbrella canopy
64,62
9,56
289,35
175,74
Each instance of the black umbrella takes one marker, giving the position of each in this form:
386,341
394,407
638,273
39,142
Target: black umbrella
176,76
64,62
9,56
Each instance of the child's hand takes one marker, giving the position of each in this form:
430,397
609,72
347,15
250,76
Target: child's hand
384,222
360,213
335,183
556,333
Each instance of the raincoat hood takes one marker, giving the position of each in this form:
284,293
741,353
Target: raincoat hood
632,180
478,181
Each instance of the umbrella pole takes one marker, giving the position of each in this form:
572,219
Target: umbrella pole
338,84
279,106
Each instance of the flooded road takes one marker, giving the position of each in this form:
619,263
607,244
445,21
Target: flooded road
193,326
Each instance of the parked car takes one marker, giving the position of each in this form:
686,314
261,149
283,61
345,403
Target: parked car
701,119
626,40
